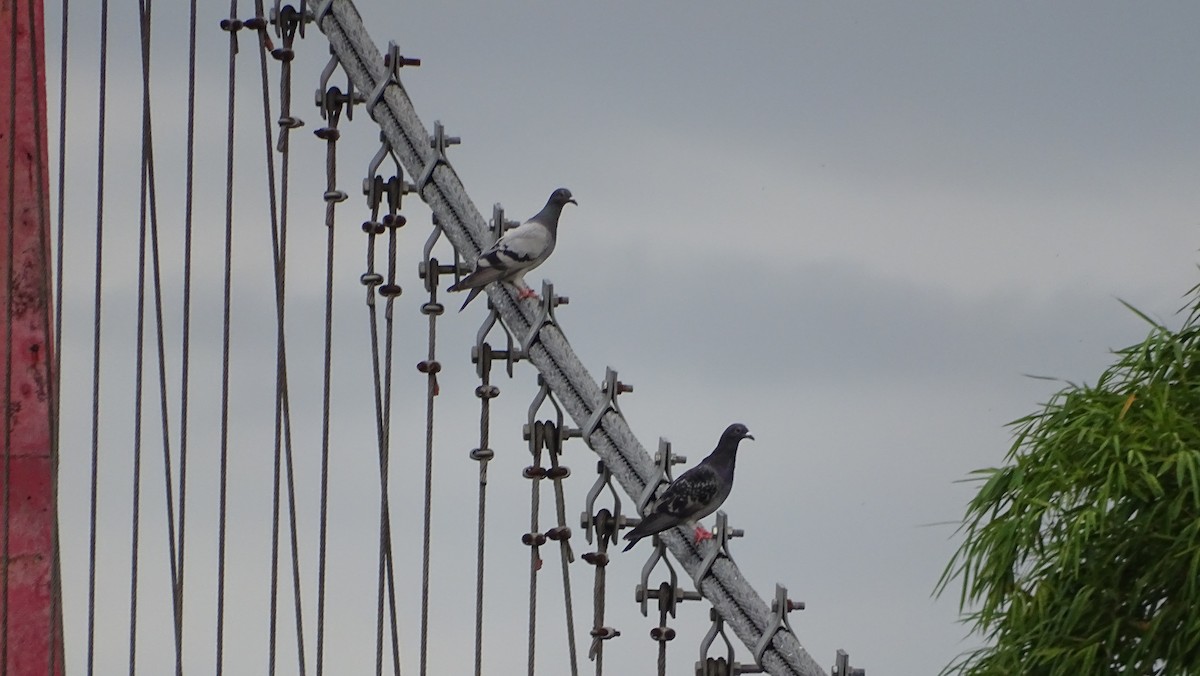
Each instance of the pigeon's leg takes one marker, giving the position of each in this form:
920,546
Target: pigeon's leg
702,534
527,292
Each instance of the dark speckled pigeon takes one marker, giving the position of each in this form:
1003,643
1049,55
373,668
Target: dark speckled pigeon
518,251
697,492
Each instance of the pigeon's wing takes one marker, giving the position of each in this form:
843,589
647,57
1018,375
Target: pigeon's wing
694,495
518,250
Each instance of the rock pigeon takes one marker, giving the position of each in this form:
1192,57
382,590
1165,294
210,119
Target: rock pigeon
697,492
518,251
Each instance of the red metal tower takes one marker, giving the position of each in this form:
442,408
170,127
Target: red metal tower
30,614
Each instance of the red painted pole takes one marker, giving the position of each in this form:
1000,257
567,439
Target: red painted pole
32,616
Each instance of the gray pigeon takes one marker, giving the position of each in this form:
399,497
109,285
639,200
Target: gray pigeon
518,251
697,492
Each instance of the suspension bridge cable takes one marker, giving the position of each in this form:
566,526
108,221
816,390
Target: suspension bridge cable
151,190
96,307
612,439
144,25
56,375
185,344
232,25
277,204
331,110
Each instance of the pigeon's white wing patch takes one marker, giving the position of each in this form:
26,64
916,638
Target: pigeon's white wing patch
520,248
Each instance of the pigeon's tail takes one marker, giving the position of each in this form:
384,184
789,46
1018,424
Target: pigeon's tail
470,296
656,522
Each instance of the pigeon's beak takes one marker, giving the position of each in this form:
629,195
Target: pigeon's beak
749,436
572,201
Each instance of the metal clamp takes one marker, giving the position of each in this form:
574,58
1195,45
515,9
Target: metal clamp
611,388
722,534
842,666
721,666
590,519
780,608
393,61
545,316
439,142
663,461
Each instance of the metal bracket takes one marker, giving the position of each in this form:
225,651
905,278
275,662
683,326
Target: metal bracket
588,519
842,666
545,316
722,534
393,61
663,460
611,388
780,608
439,142
725,666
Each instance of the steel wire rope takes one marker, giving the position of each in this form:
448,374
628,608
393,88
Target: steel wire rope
185,346
56,375
386,577
331,138
139,349
426,543
486,392
389,341
96,308
283,436
564,546
232,26
54,340
535,562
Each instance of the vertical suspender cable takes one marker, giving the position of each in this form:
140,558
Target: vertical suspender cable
232,24
91,622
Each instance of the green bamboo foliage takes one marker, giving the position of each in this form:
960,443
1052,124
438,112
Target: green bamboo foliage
1082,553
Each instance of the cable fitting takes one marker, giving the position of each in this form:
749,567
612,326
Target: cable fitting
533,539
662,634
390,290
482,454
487,391
430,367
371,279
604,633
560,472
433,308
334,196
559,533
373,227
534,472
598,559
394,220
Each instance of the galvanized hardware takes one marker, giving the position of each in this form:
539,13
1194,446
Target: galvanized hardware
611,388
663,461
331,100
642,593
393,61
604,524
287,21
842,666
545,316
720,666
439,142
722,534
780,608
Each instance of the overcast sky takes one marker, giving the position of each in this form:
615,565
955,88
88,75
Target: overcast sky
855,228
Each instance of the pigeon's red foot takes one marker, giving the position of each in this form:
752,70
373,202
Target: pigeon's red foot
527,293
703,534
